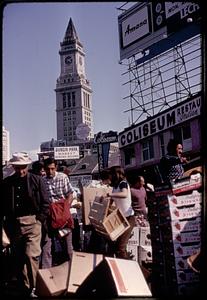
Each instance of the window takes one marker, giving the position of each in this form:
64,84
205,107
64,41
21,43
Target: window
73,98
148,150
186,132
177,134
129,156
162,144
183,135
64,103
69,99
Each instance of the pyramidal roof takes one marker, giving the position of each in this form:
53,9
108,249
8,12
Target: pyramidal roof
70,34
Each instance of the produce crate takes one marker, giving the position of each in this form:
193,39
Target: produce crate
107,219
89,195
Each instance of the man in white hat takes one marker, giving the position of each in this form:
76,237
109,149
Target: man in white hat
25,208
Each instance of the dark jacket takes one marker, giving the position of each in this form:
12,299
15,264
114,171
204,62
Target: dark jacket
37,194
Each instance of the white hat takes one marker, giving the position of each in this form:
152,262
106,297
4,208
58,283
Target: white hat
20,158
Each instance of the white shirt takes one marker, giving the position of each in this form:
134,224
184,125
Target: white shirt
124,204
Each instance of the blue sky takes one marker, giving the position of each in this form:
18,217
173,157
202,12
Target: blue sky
32,33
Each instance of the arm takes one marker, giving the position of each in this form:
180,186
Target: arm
68,191
69,198
44,201
122,194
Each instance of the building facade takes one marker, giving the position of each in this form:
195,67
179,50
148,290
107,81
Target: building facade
160,44
143,145
73,90
5,146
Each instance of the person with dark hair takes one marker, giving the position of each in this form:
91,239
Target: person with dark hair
139,196
59,187
105,176
171,165
38,168
121,195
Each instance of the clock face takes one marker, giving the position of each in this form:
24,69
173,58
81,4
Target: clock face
68,60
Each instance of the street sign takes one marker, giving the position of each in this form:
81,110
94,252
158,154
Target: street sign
106,137
66,152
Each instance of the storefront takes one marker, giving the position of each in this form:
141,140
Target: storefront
142,145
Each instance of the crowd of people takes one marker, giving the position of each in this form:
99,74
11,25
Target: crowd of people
26,212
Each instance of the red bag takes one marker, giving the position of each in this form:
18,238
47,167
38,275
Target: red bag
60,214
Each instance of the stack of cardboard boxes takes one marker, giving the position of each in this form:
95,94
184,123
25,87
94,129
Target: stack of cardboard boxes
89,274
139,245
92,275
174,213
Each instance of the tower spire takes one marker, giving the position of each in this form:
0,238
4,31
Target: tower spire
70,34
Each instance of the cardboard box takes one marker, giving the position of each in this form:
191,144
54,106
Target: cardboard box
186,184
185,200
176,201
145,236
186,237
186,225
82,264
187,276
179,250
181,263
171,214
174,264
134,238
109,222
133,252
99,208
189,289
144,254
115,277
89,194
52,281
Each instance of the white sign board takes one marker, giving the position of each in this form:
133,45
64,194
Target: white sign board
66,152
145,24
135,27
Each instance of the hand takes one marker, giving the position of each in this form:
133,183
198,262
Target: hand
183,159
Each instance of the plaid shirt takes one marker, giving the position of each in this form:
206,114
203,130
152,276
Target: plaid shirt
171,167
176,172
58,186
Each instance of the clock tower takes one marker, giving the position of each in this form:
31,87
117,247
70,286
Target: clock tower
73,91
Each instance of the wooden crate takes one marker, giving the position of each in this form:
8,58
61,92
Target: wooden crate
107,219
89,195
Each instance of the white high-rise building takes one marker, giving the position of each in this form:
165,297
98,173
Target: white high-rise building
5,146
73,91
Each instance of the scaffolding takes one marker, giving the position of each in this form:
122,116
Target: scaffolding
162,81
